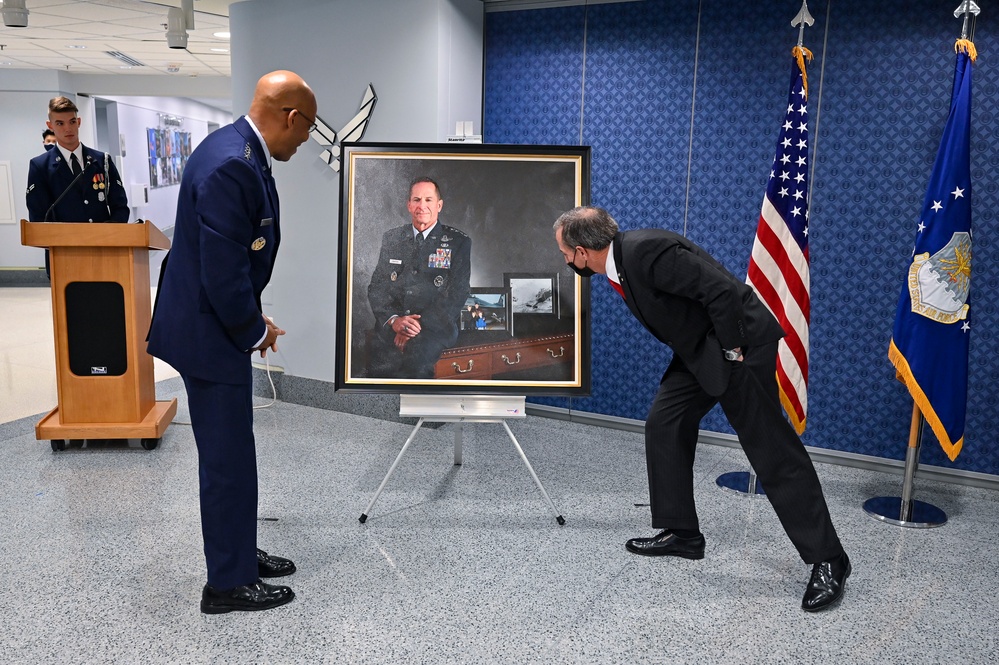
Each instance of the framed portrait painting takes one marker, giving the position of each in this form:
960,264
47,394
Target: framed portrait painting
450,280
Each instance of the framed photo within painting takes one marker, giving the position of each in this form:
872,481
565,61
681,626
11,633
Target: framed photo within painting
533,293
450,277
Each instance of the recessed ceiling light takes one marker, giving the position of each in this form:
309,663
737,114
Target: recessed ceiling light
77,46
221,35
220,50
124,66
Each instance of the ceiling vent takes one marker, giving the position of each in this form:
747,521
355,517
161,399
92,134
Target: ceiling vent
127,59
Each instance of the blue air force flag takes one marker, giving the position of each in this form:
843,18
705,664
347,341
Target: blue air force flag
930,339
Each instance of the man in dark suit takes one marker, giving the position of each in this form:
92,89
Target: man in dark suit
417,289
724,343
208,320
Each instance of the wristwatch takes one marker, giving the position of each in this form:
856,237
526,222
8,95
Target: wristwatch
732,354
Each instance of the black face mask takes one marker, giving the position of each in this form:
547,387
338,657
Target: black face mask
49,146
582,272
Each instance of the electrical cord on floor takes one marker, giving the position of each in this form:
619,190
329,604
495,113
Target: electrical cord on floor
270,379
267,364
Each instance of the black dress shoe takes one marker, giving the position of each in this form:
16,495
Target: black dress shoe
668,543
825,588
273,566
247,598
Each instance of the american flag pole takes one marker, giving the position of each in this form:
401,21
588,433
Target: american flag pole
778,266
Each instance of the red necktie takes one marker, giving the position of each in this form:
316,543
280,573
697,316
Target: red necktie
617,287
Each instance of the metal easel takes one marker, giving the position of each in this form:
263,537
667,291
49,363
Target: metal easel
461,409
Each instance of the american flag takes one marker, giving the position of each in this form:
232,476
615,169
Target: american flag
778,267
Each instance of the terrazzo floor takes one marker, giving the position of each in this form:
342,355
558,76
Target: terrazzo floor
102,548
466,564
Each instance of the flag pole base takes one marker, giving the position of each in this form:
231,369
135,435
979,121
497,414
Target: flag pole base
740,482
889,509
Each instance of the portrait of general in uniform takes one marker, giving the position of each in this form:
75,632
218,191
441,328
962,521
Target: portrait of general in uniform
427,232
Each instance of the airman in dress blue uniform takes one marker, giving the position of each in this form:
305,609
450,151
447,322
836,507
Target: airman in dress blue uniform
98,196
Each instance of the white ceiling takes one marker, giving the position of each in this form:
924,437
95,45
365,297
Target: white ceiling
74,36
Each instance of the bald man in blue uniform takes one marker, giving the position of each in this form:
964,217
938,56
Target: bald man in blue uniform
208,320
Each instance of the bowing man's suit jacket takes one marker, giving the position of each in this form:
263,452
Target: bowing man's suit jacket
208,312
49,176
691,303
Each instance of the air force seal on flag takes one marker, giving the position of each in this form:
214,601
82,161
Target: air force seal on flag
939,284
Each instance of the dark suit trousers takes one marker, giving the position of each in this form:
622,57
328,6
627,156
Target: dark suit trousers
782,465
222,420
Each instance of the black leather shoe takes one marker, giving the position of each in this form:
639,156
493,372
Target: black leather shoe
273,566
825,588
668,543
247,598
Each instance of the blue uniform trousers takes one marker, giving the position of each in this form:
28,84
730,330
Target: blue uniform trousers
222,419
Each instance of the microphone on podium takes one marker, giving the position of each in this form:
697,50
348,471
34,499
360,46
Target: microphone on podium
68,188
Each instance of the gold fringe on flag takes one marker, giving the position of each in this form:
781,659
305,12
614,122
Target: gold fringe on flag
798,425
800,53
904,374
966,46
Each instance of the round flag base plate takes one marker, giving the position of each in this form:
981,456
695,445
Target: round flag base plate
740,482
889,509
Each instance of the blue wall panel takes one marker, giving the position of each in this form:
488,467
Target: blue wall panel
879,93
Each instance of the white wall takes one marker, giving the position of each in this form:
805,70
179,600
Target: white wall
24,109
424,59
135,115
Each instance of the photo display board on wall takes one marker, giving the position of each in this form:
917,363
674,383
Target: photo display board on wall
169,149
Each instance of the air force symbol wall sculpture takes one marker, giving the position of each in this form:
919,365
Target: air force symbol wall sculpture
352,131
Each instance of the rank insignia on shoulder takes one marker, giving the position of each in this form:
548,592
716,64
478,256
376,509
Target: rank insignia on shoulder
247,152
258,244
438,281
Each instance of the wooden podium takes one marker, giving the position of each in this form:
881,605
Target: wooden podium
101,313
